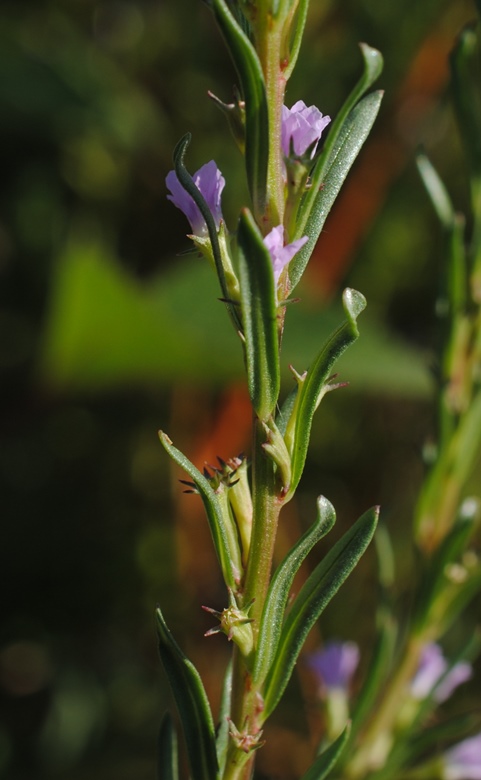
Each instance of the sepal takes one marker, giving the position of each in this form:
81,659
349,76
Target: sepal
235,623
240,500
276,449
230,286
222,526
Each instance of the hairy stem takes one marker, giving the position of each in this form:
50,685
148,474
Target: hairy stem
247,704
269,40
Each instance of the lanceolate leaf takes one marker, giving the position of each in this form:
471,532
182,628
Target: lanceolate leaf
299,25
251,77
437,191
222,740
329,758
315,384
259,317
467,100
223,532
281,583
168,763
192,703
329,175
316,593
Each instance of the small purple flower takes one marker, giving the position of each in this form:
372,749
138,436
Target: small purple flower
210,182
334,665
281,255
463,761
432,667
303,125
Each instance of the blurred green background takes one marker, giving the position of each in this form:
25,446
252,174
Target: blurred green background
107,334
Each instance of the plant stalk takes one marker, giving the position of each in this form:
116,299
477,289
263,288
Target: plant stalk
247,703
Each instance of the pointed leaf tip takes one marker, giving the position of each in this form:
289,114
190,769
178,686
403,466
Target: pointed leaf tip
327,760
192,704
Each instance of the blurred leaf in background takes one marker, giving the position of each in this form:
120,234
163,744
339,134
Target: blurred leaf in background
106,335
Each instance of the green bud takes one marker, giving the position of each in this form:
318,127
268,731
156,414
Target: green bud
204,245
235,623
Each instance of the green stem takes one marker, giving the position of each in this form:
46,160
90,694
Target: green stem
269,38
375,742
266,508
246,706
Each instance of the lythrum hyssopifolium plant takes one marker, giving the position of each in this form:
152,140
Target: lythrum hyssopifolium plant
296,160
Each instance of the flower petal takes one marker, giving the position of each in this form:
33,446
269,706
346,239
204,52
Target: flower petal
281,255
463,761
432,667
210,182
334,665
303,125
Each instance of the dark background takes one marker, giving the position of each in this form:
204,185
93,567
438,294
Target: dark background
107,335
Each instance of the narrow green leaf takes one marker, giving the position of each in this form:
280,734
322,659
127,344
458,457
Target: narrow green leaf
222,740
378,670
224,534
465,60
259,314
168,761
279,589
328,759
437,191
447,554
313,386
386,639
454,466
299,25
373,65
328,176
192,703
253,89
314,596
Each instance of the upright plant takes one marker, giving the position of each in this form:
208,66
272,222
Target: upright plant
294,175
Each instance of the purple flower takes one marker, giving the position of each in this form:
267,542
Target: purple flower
210,182
334,665
303,125
432,667
281,255
463,762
